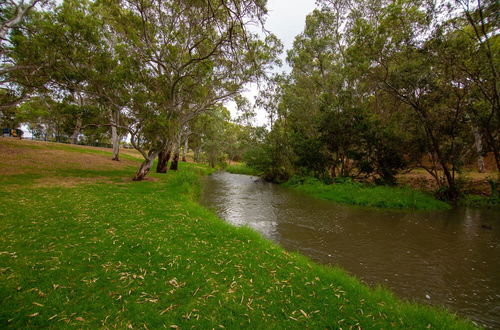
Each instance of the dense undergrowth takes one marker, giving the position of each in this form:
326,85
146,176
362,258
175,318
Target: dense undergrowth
116,253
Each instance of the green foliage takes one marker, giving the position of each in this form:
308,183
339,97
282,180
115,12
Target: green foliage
347,191
480,201
367,100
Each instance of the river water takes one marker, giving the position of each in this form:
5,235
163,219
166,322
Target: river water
449,258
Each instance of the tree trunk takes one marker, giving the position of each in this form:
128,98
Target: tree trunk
197,153
145,166
184,151
451,192
163,158
478,143
497,160
492,144
175,162
76,131
115,138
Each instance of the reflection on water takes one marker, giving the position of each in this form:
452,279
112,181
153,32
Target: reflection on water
443,258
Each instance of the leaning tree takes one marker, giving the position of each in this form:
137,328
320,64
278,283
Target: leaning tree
189,56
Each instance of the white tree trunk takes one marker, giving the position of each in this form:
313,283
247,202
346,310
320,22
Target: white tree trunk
21,10
186,146
145,166
115,138
478,143
76,131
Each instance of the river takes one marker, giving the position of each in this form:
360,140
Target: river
449,258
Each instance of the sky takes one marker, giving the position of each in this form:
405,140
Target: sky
286,19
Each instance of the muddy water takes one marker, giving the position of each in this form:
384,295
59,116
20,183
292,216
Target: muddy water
442,258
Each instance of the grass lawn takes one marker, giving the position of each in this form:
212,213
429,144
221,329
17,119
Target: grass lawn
82,246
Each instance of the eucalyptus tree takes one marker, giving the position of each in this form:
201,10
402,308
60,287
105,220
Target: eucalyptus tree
316,78
81,64
474,38
411,66
190,55
63,42
332,113
11,14
15,78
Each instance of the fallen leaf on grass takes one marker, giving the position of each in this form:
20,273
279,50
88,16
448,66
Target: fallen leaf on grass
79,318
168,309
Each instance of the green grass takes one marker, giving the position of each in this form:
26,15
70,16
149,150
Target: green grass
480,201
242,169
76,148
369,195
146,255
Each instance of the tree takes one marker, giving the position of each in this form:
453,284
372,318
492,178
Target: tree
12,89
190,56
416,71
475,39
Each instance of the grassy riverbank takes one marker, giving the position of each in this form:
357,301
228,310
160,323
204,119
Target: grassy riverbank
355,193
83,246
242,168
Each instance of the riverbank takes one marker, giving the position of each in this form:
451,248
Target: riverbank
355,193
84,246
414,192
241,168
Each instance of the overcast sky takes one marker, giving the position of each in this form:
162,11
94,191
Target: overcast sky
286,19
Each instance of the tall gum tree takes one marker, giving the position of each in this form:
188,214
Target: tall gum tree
413,67
190,55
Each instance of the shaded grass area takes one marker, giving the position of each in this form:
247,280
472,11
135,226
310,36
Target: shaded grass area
355,193
145,255
30,162
242,169
42,145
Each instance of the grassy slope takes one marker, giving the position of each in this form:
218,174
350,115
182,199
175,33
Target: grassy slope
112,252
374,196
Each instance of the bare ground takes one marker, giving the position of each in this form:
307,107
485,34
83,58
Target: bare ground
473,182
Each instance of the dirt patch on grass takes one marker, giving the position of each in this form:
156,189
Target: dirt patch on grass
472,182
